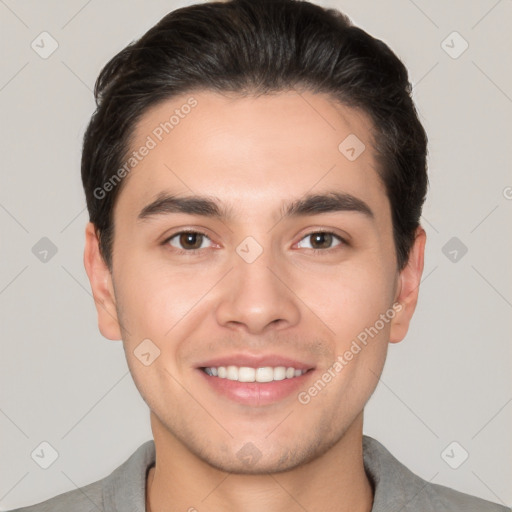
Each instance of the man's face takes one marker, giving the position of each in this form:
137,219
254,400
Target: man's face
255,293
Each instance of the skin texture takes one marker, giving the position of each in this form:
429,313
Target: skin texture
255,154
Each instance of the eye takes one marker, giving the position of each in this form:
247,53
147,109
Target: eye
187,241
190,242
322,241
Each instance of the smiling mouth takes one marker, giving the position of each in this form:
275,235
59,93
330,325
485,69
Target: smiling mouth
249,374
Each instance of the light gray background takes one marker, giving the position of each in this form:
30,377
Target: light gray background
450,380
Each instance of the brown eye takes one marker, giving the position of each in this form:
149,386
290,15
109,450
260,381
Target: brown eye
321,240
188,240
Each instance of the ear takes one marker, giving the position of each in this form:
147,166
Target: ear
101,285
408,288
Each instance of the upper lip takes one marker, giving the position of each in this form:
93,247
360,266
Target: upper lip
256,361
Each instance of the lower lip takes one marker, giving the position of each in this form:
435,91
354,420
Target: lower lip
256,393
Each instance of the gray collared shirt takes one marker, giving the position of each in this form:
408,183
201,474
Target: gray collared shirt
396,489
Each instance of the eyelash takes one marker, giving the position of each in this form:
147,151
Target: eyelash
193,252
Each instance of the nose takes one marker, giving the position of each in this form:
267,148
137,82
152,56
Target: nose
258,297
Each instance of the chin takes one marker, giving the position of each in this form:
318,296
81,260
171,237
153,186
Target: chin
263,466
251,460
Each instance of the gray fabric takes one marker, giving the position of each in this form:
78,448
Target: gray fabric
396,489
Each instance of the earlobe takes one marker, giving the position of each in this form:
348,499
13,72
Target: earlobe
100,279
408,288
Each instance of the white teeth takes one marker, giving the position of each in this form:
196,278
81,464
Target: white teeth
279,373
247,374
232,373
265,374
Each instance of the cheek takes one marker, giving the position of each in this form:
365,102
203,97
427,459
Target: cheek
350,298
157,302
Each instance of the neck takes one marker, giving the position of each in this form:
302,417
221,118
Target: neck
334,481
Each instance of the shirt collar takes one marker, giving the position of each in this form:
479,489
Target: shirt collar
394,486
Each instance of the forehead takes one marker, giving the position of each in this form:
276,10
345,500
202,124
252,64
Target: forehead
252,152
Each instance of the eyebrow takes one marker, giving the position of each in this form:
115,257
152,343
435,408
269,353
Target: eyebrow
311,204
